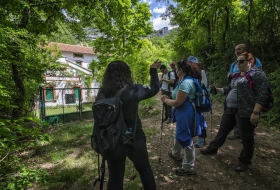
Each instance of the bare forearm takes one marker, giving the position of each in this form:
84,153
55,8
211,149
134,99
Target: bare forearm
258,107
171,102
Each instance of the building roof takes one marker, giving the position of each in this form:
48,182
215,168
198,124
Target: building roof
73,48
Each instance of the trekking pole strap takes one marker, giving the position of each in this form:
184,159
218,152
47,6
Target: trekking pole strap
98,179
102,173
161,128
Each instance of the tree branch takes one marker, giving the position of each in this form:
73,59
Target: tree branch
5,156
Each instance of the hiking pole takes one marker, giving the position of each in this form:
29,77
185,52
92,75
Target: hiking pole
161,128
211,129
211,124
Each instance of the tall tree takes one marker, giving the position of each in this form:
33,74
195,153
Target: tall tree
123,23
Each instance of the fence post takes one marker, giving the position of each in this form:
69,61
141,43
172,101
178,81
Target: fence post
62,97
42,104
80,104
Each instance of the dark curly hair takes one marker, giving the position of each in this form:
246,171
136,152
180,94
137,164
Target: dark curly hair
190,68
117,75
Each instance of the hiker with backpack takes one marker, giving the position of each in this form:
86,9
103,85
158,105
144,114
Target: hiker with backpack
244,99
167,81
239,49
189,122
204,80
118,78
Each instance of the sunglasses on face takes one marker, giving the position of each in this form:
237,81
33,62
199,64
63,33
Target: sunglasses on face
240,61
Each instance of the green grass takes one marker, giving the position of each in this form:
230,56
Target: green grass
71,162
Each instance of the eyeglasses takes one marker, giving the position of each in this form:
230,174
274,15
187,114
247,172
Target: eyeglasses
241,61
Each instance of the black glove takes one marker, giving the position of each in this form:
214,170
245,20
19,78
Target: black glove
213,90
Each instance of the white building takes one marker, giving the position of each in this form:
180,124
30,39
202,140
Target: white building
81,55
67,86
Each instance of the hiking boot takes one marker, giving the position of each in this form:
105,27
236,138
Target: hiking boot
173,157
207,151
200,143
182,172
233,137
168,121
241,167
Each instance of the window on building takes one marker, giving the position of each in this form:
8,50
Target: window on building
50,93
78,55
77,91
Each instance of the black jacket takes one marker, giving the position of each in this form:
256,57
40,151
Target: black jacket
131,97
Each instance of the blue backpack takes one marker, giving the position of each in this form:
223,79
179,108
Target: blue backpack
202,101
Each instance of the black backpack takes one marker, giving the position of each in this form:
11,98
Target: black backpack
110,133
176,79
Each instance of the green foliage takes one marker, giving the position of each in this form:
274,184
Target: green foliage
26,177
164,48
271,118
17,139
123,23
147,107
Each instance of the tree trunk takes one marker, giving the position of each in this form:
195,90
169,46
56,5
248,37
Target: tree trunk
208,31
20,93
225,31
249,22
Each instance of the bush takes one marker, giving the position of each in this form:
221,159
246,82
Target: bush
148,107
18,137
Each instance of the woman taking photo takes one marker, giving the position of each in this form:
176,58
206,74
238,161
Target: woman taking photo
242,107
184,116
118,76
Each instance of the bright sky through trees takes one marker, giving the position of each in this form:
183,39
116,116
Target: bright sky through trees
158,8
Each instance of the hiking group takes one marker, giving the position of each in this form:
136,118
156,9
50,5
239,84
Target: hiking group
118,132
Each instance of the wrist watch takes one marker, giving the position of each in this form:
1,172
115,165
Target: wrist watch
256,113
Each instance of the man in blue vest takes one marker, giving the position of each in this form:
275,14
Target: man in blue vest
239,49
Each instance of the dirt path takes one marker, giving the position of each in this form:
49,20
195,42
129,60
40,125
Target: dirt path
215,172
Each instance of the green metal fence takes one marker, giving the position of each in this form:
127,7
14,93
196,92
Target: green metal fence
62,105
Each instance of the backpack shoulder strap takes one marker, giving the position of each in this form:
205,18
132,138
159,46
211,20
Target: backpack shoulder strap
169,85
249,78
169,74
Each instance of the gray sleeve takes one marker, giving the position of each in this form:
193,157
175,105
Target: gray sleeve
204,78
172,76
